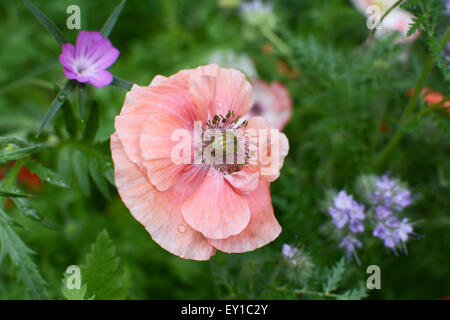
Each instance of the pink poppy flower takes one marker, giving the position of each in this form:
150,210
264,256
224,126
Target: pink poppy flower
191,205
398,20
273,102
89,59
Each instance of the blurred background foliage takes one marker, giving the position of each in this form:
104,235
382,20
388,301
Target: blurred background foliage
348,99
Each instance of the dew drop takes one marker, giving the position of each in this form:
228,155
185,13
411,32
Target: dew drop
181,228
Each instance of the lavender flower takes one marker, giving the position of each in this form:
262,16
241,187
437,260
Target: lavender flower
383,212
347,210
390,199
288,251
393,232
389,194
350,244
89,59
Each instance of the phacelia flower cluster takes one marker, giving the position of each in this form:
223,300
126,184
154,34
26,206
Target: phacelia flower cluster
348,215
388,199
288,253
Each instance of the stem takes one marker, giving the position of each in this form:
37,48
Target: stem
398,135
300,292
272,279
431,108
279,44
384,16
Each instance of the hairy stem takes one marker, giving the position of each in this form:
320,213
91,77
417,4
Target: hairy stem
398,135
384,16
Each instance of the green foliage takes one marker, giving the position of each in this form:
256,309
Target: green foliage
73,294
429,16
349,97
21,259
102,277
334,277
45,174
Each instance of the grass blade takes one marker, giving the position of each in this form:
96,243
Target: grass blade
17,154
57,103
12,194
121,83
81,99
112,19
47,23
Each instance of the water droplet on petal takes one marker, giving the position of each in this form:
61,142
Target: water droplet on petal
181,228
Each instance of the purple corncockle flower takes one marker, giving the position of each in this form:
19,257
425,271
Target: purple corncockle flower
447,5
88,60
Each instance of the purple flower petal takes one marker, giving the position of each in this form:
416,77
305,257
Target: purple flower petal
356,226
340,218
380,231
392,222
383,212
85,39
100,78
343,200
67,57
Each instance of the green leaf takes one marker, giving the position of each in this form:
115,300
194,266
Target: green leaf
122,83
16,154
73,294
79,163
354,294
46,174
20,255
64,162
101,273
47,23
57,103
112,19
26,208
96,172
12,194
81,99
334,277
70,122
92,124
4,141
